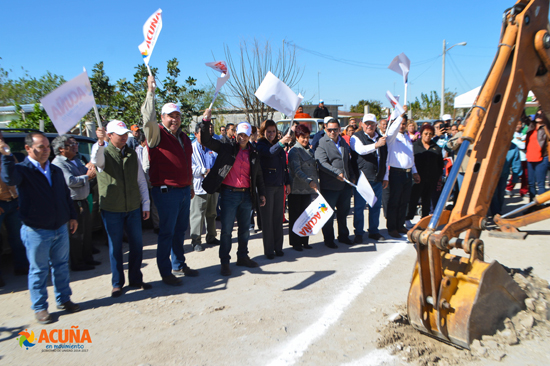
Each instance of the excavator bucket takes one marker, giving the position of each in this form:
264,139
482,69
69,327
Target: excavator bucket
474,298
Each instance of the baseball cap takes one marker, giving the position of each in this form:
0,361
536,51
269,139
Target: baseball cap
328,119
369,117
118,127
244,127
134,128
322,101
169,108
446,117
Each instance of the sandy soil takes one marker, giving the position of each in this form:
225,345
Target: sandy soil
317,307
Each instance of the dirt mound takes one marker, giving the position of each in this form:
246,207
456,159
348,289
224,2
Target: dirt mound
403,341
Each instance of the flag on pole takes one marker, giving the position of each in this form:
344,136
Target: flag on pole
313,218
67,104
395,104
278,95
220,66
151,31
401,65
364,189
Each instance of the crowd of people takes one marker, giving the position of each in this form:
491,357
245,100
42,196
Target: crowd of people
158,172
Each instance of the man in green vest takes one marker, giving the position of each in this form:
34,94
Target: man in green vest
122,189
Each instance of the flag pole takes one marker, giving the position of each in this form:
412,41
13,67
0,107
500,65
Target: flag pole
406,89
96,112
150,74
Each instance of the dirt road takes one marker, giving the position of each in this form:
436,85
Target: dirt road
317,307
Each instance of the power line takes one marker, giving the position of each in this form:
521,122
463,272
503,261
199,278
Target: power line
460,73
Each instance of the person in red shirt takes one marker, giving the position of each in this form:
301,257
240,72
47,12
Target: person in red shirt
238,176
537,154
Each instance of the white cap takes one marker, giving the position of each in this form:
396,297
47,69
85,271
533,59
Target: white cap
369,117
322,101
169,108
118,127
329,118
244,127
446,117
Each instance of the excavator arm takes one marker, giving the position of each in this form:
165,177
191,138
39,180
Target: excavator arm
459,299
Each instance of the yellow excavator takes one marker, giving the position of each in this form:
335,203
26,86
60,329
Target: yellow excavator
460,298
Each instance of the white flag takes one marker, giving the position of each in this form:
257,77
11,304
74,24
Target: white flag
151,31
394,103
365,190
278,95
67,104
401,65
313,218
220,66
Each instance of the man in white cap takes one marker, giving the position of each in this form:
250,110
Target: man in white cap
171,176
237,173
368,155
122,189
321,111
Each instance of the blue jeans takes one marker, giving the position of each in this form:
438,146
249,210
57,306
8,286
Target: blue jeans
374,212
115,223
10,217
45,249
537,177
239,205
173,208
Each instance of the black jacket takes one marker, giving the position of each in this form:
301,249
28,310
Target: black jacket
321,112
227,153
331,164
429,162
373,168
273,162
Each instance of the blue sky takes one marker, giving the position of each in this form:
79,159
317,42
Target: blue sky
64,36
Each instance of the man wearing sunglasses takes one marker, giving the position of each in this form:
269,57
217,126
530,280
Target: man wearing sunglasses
333,159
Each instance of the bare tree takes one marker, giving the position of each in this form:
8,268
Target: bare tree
249,70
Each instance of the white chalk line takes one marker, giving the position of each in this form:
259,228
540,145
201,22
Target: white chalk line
299,344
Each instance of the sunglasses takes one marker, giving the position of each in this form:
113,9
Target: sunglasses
332,129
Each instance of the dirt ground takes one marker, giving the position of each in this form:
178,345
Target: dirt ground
317,307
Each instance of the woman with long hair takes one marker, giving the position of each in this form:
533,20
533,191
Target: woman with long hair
275,172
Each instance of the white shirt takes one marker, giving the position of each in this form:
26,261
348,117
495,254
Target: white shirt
400,149
361,149
98,158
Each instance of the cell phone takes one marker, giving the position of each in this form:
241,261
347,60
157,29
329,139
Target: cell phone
163,189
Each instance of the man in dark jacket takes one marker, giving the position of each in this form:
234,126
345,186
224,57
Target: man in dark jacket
368,155
45,210
332,156
321,111
238,175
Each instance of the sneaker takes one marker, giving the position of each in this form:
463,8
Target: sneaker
246,262
408,224
172,280
198,248
186,271
69,306
377,237
43,317
252,230
226,270
358,239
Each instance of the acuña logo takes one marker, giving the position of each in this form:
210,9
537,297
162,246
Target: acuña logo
59,338
26,339
323,208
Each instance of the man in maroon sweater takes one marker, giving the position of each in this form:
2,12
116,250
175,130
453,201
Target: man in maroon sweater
170,174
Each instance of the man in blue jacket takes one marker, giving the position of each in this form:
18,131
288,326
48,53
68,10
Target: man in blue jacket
45,209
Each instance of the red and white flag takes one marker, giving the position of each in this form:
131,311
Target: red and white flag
220,66
151,31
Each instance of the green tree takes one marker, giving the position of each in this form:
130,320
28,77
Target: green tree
429,105
375,107
32,119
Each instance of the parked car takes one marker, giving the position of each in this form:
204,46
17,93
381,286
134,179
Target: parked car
15,138
312,123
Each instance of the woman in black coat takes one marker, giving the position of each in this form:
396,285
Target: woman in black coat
275,174
429,164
